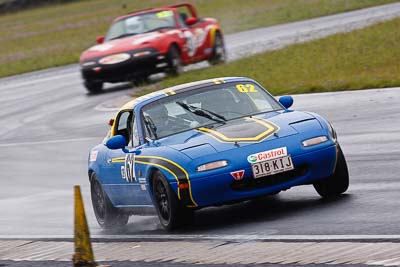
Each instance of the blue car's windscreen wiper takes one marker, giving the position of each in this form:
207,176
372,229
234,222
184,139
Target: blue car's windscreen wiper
202,112
148,122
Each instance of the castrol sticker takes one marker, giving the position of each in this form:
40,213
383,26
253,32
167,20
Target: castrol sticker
267,155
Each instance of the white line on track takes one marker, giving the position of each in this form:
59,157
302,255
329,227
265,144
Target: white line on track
36,81
167,237
50,141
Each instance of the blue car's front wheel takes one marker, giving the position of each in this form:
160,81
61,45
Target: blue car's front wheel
106,214
170,210
338,182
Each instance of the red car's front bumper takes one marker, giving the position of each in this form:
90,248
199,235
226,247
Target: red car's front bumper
131,69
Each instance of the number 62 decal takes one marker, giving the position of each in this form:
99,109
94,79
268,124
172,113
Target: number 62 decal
246,88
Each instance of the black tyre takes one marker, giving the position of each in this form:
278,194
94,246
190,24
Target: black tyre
106,214
93,87
171,212
140,81
175,66
219,51
338,182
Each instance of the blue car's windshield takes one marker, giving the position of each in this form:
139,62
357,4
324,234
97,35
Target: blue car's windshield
142,23
205,106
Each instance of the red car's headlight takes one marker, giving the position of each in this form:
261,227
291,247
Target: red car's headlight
114,59
142,53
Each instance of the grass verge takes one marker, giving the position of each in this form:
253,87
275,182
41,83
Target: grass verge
366,58
55,35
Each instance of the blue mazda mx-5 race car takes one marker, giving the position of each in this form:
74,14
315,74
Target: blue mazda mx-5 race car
208,143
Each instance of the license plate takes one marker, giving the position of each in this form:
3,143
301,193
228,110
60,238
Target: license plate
272,166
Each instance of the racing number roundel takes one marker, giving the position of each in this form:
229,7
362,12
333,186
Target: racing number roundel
130,168
190,43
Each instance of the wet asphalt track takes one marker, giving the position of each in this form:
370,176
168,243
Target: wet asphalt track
49,123
154,264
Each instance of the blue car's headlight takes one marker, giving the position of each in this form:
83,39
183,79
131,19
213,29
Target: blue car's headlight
314,141
212,165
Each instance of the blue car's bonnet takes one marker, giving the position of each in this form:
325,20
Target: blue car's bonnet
245,131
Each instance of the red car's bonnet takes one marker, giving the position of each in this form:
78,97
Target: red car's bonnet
123,45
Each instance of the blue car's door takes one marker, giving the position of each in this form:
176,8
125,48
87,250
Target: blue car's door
125,184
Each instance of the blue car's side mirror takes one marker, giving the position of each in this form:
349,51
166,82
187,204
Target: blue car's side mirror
286,101
116,142
119,142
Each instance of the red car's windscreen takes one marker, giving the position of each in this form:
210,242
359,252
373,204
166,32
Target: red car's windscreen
141,23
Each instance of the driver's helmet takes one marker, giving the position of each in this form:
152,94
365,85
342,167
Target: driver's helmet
158,114
134,25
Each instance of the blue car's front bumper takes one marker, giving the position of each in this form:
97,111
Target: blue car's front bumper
222,188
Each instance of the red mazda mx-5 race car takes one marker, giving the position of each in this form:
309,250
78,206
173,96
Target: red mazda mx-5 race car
151,41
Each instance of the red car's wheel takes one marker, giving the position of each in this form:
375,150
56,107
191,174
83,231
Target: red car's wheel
93,87
175,66
219,52
140,81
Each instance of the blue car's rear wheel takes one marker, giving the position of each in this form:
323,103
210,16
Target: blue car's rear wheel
106,214
171,212
338,182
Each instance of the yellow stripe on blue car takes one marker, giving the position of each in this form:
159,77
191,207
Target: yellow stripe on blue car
180,174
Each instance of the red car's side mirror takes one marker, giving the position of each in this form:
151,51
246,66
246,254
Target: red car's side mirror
192,20
100,39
